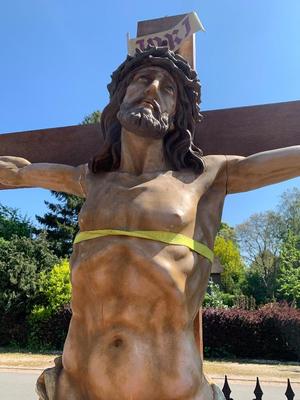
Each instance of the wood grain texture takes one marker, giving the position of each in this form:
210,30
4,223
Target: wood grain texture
249,130
241,131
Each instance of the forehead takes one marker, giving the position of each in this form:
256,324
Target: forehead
156,72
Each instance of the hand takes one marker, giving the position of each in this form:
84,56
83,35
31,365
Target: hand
9,169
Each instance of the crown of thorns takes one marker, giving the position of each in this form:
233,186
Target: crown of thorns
176,65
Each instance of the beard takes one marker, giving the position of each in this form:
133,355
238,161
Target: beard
143,121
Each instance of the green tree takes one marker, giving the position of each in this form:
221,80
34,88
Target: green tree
215,297
22,259
56,286
61,222
289,210
55,290
93,118
289,270
267,248
48,320
260,238
13,223
233,276
21,262
227,232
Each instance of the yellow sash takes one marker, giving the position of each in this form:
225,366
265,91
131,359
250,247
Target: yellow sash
160,236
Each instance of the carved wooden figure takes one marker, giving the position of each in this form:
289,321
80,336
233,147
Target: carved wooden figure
142,259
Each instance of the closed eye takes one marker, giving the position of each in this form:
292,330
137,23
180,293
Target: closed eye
170,89
142,78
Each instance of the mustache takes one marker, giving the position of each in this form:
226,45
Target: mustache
155,105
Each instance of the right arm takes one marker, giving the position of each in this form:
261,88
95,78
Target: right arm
18,172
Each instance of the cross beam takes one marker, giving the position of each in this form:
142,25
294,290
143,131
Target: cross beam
241,131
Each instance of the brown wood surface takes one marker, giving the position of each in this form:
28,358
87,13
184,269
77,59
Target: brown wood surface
71,145
187,51
248,130
150,26
242,131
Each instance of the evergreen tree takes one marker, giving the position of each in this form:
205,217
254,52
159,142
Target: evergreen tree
61,222
93,118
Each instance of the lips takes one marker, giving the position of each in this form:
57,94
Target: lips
151,103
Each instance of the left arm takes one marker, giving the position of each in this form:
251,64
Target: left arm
261,169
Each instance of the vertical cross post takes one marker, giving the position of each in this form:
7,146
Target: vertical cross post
186,50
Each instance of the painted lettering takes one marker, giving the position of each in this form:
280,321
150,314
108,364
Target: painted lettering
159,41
173,40
141,44
187,25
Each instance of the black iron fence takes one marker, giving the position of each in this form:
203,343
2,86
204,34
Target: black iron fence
289,393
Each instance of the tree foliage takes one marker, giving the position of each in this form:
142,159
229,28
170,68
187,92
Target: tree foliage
55,286
21,262
260,238
289,210
289,270
13,223
61,222
270,245
234,271
216,298
227,232
93,118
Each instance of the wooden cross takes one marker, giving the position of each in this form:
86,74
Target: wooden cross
241,131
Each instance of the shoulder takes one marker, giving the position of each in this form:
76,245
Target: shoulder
215,171
214,162
89,179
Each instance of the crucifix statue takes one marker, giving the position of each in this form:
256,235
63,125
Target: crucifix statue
153,205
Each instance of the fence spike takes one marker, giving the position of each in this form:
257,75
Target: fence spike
257,391
226,389
289,393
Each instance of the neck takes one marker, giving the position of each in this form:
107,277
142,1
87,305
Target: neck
141,155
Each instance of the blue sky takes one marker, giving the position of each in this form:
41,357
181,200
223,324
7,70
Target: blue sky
57,57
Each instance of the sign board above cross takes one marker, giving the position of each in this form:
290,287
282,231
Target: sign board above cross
177,33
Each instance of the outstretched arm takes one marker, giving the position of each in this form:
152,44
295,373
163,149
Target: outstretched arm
261,169
18,172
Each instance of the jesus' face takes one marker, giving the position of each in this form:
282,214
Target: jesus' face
149,103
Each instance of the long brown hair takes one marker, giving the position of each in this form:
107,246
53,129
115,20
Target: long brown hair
179,147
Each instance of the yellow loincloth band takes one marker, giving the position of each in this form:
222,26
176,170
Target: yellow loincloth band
160,236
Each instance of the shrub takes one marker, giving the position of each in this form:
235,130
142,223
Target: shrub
49,331
216,298
272,332
13,329
56,287
49,320
22,260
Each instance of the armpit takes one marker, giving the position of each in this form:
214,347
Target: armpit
83,170
235,181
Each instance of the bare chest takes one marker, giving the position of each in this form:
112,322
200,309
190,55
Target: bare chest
152,203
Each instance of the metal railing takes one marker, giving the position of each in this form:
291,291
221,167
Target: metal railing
289,393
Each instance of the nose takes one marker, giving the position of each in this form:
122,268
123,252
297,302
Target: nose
152,88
